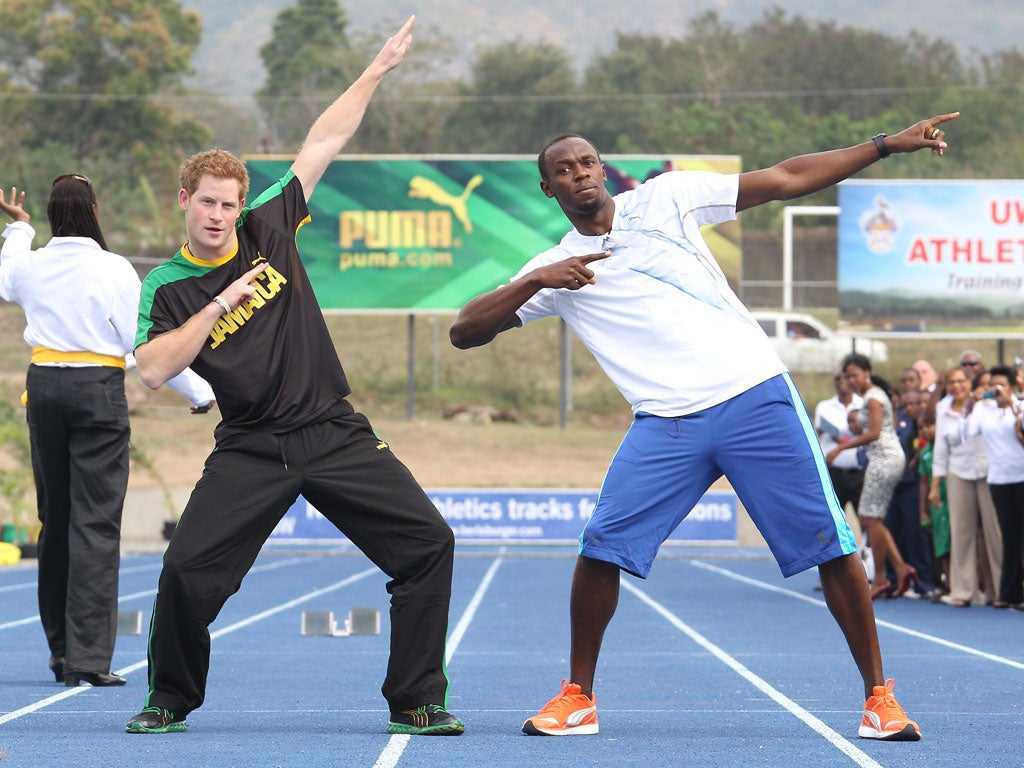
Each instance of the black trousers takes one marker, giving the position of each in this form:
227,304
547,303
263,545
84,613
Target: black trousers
353,479
848,484
79,433
903,519
1009,502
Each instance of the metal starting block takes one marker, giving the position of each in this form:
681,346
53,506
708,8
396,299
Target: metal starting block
360,621
129,622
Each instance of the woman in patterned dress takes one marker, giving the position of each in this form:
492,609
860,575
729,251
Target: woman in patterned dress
886,462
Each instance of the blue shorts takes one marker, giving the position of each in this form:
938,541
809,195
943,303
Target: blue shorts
762,441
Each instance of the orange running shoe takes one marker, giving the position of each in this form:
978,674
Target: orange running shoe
885,719
570,713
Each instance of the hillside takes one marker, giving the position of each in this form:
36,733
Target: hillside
228,62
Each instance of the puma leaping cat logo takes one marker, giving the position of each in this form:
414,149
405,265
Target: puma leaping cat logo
432,191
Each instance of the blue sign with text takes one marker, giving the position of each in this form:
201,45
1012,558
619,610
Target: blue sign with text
525,515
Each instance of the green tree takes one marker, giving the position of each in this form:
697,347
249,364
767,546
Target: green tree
783,86
516,100
17,500
84,86
306,70
646,76
87,74
988,136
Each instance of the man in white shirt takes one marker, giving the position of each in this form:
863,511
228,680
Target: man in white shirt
972,363
832,425
639,287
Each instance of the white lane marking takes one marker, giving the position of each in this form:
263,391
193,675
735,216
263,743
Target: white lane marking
32,584
152,592
834,738
213,635
396,745
880,622
16,587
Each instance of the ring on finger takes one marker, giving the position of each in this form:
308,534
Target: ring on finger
935,133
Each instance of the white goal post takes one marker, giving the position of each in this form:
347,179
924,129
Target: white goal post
787,243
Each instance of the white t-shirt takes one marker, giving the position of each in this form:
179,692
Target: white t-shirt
832,413
661,319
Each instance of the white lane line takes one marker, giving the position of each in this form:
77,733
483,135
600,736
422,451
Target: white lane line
130,569
880,622
396,745
213,635
19,622
15,587
834,738
151,592
32,584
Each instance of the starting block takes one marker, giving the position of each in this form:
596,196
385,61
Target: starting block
129,622
360,621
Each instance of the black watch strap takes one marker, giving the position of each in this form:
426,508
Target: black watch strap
879,140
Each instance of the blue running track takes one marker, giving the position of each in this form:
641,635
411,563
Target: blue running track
715,660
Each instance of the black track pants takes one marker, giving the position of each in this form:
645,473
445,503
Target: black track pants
353,479
79,432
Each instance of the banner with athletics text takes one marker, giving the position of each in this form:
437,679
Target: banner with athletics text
932,255
523,516
423,234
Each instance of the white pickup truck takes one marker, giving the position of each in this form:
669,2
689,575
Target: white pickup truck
807,345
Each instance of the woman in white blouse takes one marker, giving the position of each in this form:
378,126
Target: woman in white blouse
964,464
994,416
81,307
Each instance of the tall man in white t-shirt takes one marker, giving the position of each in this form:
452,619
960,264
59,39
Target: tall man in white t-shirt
709,394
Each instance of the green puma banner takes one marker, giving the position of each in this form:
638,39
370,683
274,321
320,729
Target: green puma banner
427,234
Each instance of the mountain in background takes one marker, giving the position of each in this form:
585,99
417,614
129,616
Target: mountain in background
228,63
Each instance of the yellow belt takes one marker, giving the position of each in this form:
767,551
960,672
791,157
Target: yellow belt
41,355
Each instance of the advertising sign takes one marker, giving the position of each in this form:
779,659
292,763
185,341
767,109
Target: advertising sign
524,515
429,233
932,255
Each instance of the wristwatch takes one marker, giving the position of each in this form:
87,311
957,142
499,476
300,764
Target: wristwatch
883,151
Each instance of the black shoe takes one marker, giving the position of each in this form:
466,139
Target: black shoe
97,679
155,720
428,720
57,667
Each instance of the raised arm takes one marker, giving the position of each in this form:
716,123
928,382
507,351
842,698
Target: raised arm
17,235
339,121
15,206
805,174
484,317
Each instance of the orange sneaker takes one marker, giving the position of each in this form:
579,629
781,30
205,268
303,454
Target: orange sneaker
570,713
885,719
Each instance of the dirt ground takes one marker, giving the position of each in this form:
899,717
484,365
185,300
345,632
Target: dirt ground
442,453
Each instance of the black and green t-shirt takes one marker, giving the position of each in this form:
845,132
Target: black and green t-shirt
271,362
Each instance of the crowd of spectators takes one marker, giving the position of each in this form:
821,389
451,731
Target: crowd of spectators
953,526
